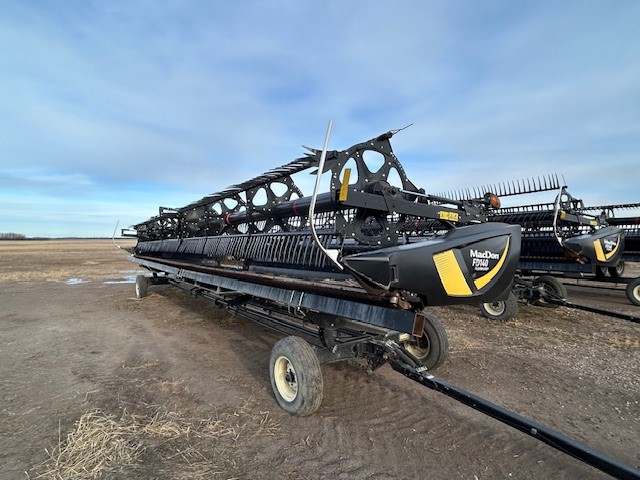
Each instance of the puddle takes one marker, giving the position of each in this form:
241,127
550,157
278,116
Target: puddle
127,279
129,276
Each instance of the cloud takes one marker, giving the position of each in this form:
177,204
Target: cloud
185,98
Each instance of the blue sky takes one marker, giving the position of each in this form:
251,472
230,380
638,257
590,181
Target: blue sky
109,109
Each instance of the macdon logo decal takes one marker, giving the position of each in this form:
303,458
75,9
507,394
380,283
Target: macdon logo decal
610,244
488,254
480,262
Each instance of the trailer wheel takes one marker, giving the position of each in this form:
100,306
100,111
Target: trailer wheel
553,288
296,376
432,347
633,291
617,271
142,286
500,310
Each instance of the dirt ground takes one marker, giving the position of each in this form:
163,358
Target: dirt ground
172,387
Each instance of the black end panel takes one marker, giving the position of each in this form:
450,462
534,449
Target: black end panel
603,247
467,265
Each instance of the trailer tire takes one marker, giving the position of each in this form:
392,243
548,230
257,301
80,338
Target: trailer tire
617,271
142,286
553,287
296,376
500,310
600,272
432,347
633,291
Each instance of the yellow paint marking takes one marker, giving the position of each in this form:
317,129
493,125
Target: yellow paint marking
451,275
344,188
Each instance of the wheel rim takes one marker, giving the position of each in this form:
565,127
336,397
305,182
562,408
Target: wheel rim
421,348
285,378
495,308
548,289
636,292
137,290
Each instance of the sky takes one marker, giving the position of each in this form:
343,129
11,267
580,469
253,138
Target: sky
110,109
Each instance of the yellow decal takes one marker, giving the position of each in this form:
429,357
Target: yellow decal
344,188
599,252
451,275
563,214
451,216
487,277
593,223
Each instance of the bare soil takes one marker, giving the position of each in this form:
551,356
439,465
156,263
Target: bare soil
171,361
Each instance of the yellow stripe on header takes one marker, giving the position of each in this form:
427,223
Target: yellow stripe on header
451,275
599,252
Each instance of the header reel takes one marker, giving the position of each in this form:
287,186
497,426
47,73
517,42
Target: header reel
371,206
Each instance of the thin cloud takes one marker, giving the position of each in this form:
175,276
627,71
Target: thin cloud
162,104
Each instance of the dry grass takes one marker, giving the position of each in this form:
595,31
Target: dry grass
101,443
59,260
98,443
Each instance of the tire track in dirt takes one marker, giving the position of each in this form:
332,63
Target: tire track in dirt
386,427
365,418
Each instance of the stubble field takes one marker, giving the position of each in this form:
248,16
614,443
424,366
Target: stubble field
96,383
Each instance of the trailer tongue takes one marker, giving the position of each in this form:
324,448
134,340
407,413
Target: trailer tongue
349,272
557,440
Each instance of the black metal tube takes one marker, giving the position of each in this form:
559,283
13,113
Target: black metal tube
299,206
602,311
557,440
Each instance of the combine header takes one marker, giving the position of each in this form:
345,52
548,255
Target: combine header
558,236
350,272
563,238
361,243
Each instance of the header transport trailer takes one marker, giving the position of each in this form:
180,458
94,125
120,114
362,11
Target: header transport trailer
347,273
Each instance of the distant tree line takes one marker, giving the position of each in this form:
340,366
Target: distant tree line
12,236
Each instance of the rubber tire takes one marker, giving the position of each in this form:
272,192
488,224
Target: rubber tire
142,286
633,291
617,271
432,348
500,310
600,272
552,285
308,375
